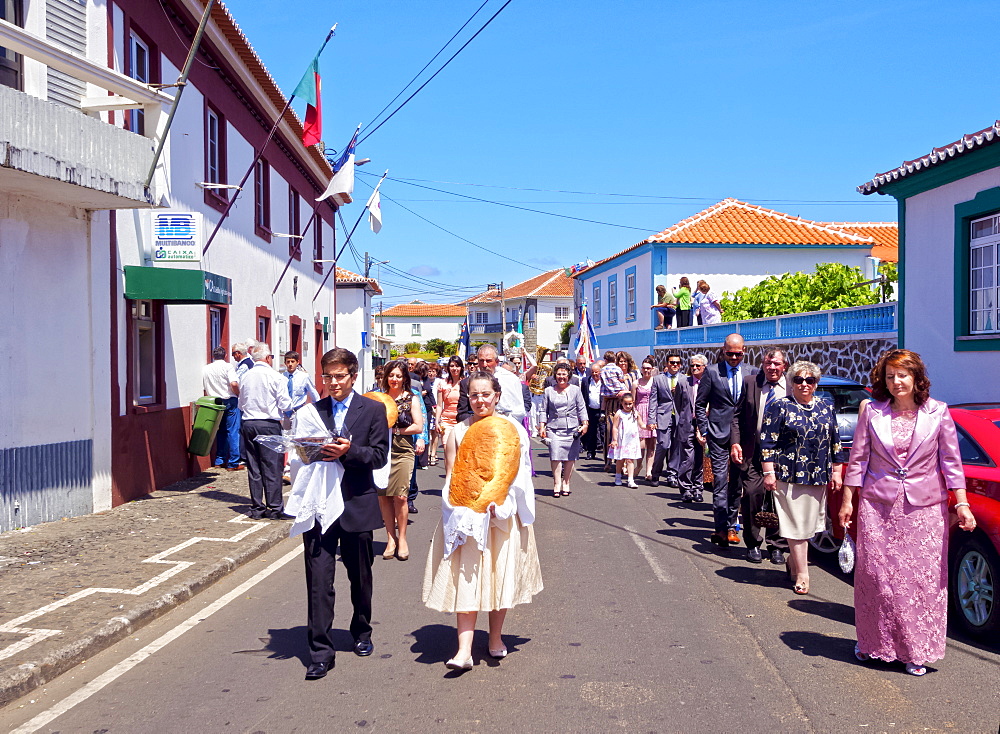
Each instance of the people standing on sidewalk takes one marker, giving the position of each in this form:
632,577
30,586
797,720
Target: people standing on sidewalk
683,296
483,561
263,402
801,456
759,392
563,421
393,499
335,504
904,465
215,381
718,392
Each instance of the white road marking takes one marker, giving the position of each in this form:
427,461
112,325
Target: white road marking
130,662
37,634
663,576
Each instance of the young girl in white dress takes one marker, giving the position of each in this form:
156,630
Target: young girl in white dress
625,441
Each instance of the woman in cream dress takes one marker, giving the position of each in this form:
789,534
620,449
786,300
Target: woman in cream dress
483,561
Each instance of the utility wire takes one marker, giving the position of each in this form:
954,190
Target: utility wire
417,75
462,48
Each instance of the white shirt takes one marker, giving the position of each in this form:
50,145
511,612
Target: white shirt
215,379
302,387
594,395
511,396
263,394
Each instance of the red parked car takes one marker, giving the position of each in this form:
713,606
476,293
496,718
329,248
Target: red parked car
974,558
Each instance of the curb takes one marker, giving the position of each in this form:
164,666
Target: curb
31,675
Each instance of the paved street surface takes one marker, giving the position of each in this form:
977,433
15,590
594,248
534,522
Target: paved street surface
642,626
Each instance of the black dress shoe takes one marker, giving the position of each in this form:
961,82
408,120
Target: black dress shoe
753,555
720,540
412,508
318,670
654,482
777,557
256,514
363,648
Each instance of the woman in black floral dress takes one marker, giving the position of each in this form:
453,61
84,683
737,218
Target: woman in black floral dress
802,455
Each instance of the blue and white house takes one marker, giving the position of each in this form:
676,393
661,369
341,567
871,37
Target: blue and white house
730,245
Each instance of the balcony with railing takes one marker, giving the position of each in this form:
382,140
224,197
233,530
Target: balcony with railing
496,328
65,152
859,321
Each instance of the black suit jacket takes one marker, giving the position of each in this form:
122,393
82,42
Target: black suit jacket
585,389
714,406
368,427
743,429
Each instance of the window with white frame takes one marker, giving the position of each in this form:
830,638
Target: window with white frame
562,313
390,330
984,265
629,296
138,69
596,314
613,300
414,329
145,354
482,317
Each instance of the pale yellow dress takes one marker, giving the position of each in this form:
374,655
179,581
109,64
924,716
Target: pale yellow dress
505,572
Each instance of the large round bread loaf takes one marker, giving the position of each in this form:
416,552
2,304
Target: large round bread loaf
487,462
391,411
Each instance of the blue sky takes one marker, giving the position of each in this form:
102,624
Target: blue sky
677,105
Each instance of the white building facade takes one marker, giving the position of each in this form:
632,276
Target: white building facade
106,416
419,322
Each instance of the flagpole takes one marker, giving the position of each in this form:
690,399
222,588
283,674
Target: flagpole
298,247
260,154
347,241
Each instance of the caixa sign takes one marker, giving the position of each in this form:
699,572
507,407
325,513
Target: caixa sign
176,236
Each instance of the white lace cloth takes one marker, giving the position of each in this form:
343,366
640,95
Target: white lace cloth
461,523
315,496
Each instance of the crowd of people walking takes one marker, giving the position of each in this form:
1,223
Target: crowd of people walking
762,442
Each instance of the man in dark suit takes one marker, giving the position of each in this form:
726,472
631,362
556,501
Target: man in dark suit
594,438
759,391
718,393
363,445
670,416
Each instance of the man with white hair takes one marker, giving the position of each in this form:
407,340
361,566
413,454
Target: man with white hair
511,396
263,401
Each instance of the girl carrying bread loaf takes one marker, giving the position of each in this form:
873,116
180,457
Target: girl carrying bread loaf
483,555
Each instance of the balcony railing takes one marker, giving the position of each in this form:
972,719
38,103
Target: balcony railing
857,321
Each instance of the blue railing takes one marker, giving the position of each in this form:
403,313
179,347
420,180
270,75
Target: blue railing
878,319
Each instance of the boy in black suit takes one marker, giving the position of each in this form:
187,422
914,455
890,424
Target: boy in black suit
362,446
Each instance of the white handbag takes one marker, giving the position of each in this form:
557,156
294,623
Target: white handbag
847,553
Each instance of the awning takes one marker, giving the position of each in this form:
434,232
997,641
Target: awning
176,286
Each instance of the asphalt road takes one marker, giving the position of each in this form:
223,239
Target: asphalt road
642,626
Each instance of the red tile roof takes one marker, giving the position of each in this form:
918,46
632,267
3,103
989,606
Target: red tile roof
734,222
554,283
885,234
346,276
425,309
937,156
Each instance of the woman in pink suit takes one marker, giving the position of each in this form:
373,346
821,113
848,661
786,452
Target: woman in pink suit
904,461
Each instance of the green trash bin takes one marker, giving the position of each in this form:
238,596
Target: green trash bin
207,417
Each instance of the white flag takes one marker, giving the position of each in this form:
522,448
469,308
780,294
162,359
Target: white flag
375,211
342,184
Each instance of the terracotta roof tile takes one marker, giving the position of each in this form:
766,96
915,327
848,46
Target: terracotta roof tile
554,283
937,156
885,234
346,276
425,309
734,222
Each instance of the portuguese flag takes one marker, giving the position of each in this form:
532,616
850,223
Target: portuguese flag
309,90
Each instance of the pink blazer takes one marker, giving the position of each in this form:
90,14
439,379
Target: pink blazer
933,464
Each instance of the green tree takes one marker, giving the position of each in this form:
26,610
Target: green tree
831,286
440,347
564,332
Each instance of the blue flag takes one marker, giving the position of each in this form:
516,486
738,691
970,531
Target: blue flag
463,342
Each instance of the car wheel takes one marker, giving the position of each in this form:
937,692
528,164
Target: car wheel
975,575
825,541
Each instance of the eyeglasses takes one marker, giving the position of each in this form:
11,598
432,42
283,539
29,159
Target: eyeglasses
798,380
673,361
734,354
329,379
697,366
481,395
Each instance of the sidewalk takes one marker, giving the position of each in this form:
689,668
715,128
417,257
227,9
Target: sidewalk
74,587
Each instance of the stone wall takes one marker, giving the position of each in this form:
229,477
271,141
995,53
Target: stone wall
852,359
